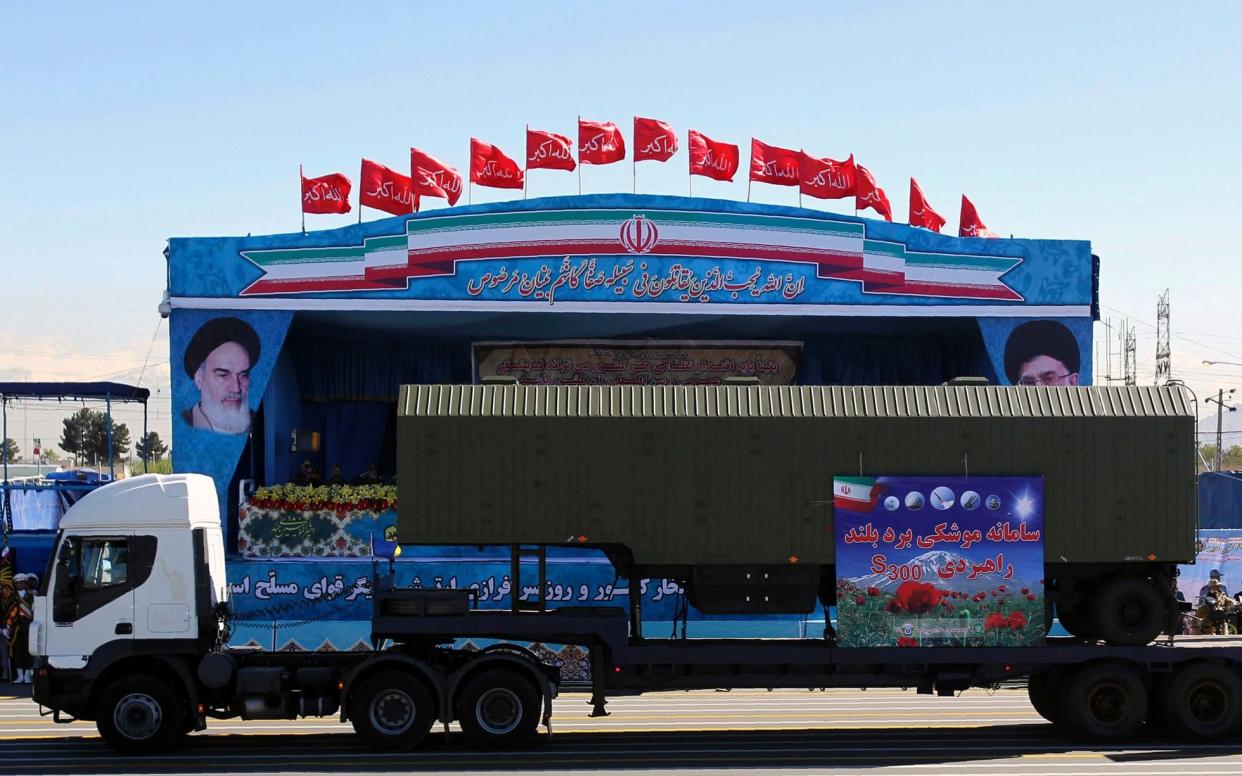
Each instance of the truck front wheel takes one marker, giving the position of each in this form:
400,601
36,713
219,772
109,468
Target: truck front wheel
498,708
392,710
139,715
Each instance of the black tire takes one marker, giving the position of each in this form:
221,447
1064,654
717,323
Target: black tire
1128,611
1076,620
139,715
1202,701
392,711
498,708
1102,702
1041,687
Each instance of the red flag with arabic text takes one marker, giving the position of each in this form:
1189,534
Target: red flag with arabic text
599,142
772,164
548,150
385,189
969,224
712,158
826,178
869,195
490,167
431,177
653,140
921,213
326,194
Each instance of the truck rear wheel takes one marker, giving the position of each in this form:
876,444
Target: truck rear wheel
1102,702
1076,620
498,708
1202,701
1128,611
392,711
139,715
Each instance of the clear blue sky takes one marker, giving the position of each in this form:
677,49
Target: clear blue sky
122,125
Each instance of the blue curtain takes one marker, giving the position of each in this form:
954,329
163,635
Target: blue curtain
897,360
375,371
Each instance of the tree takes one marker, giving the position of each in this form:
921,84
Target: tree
151,448
49,455
10,451
85,435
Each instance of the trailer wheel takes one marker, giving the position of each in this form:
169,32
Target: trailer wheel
1102,702
139,715
498,708
392,711
1128,611
1041,687
1202,701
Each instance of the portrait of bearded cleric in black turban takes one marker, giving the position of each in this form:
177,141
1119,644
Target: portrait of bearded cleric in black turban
1042,353
219,359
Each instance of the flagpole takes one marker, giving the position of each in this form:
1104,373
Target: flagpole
360,184
302,177
748,182
579,154
690,163
526,176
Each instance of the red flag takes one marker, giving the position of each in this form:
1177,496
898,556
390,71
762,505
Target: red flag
490,167
770,164
548,150
712,158
870,195
326,194
970,225
653,140
826,178
385,189
431,177
921,213
599,142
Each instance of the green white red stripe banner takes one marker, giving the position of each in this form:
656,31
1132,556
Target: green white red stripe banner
857,494
435,246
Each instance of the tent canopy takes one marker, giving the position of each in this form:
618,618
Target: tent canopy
112,391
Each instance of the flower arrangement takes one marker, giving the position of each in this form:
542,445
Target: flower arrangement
340,499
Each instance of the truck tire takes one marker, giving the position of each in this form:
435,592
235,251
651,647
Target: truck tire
498,708
1202,701
1102,702
1076,620
1041,687
1128,611
392,711
139,715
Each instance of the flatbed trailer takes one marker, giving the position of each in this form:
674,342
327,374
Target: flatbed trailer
1088,689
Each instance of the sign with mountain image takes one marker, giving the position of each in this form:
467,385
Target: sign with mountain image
939,561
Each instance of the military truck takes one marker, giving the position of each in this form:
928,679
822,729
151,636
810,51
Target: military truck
131,622
724,487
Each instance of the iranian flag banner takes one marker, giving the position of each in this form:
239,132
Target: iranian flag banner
857,494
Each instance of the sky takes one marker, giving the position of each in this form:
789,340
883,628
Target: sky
122,125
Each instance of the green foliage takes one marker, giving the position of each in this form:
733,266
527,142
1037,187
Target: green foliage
10,451
163,466
151,447
85,435
339,498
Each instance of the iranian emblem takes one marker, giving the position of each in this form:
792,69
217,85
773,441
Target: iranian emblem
639,235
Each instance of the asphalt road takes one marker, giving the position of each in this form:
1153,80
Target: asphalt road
883,731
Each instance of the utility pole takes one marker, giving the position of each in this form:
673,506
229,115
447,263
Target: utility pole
1164,352
1129,359
1220,413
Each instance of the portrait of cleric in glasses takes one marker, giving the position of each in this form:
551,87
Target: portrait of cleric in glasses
1042,353
218,359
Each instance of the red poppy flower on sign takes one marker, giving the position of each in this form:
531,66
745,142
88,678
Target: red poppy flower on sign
995,621
1017,620
906,641
917,597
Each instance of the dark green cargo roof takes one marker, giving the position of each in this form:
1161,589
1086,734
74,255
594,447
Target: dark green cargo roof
792,401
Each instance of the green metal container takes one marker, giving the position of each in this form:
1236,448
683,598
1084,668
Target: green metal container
742,475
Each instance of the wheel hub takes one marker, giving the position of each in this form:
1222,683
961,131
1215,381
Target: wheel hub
393,712
1207,702
137,716
1108,703
498,711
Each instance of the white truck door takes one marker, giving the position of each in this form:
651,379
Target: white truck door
93,595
